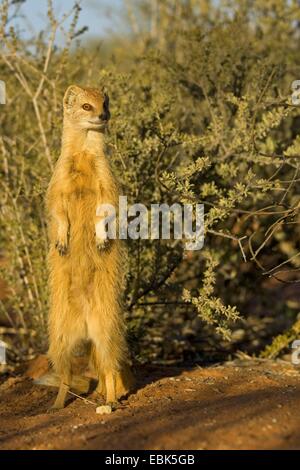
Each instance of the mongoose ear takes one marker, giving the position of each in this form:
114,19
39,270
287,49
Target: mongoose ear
70,96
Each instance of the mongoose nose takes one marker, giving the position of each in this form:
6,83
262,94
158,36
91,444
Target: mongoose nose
105,115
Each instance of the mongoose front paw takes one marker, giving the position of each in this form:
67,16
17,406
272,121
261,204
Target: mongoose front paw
102,243
62,248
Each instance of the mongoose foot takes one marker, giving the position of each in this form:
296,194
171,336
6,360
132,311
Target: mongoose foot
101,390
113,404
61,248
54,409
57,406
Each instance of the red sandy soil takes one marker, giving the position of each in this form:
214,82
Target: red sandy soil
244,404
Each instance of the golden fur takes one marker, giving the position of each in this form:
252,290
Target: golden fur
85,269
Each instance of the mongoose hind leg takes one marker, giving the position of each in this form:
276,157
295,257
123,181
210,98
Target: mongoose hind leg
61,396
63,390
106,379
101,388
66,331
124,382
110,385
118,384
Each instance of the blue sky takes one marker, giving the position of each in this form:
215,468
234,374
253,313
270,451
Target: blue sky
101,16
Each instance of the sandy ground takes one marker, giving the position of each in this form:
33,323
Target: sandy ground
239,405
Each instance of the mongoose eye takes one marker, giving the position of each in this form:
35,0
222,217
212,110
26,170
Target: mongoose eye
86,107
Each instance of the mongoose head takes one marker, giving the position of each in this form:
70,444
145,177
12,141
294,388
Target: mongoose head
86,108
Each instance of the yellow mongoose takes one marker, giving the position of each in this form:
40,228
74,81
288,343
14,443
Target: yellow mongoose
85,267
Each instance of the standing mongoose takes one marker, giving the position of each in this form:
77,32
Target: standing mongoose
85,267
